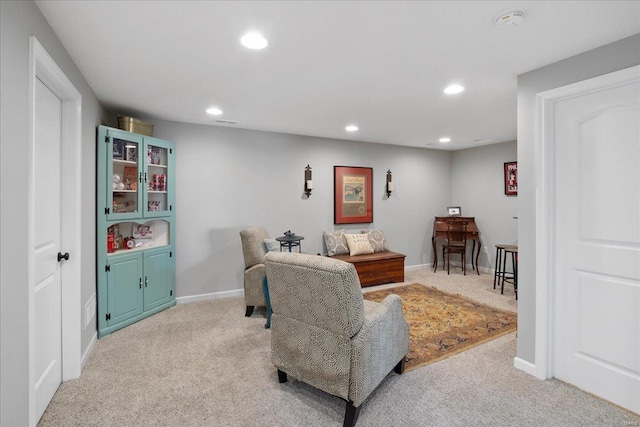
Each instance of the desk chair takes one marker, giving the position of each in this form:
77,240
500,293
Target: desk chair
456,243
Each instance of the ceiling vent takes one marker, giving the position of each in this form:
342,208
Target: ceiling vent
481,141
225,122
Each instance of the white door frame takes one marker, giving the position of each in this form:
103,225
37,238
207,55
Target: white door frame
43,67
545,207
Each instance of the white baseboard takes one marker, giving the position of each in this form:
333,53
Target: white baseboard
210,296
525,366
417,267
87,352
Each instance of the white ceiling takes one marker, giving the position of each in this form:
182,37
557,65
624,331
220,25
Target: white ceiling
380,65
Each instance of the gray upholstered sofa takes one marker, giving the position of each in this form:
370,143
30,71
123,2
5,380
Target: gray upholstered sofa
253,249
325,334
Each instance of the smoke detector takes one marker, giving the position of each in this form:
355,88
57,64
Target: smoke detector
510,18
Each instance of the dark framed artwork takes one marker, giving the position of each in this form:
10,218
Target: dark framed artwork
352,195
118,149
511,178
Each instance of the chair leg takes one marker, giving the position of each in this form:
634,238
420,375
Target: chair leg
282,376
496,272
514,266
448,261
399,368
249,311
351,415
464,262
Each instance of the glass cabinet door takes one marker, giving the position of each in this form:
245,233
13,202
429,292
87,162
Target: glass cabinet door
124,194
158,200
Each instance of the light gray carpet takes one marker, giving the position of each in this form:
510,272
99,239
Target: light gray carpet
205,364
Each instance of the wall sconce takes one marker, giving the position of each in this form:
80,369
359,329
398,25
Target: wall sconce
308,182
389,183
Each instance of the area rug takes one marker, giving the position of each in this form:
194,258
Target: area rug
443,324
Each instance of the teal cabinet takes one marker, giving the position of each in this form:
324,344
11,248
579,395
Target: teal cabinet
135,227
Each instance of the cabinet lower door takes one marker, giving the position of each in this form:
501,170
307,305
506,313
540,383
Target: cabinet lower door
159,273
124,281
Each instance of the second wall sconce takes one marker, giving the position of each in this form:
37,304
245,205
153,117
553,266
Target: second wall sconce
308,182
389,183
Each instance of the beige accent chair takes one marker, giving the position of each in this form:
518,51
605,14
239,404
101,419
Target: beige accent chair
325,334
253,249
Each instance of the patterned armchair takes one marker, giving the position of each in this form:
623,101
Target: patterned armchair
325,334
254,250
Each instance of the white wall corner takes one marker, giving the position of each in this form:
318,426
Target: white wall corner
87,352
525,366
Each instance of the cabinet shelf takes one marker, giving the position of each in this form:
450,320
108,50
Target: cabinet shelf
124,162
132,250
151,165
124,191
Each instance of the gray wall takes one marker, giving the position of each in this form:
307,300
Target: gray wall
612,57
19,20
230,179
477,185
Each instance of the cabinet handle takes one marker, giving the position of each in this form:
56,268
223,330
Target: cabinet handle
140,282
140,178
145,177
146,281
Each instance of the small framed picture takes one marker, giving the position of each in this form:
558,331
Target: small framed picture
511,178
118,149
454,211
131,153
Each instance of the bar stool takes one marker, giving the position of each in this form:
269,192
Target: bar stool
501,274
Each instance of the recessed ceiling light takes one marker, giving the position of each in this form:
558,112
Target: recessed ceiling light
214,111
254,41
351,128
453,89
445,139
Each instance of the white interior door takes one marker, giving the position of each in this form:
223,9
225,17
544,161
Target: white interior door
47,232
597,241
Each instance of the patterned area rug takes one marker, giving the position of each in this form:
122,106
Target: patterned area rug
442,324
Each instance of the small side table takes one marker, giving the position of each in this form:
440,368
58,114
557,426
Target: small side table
290,242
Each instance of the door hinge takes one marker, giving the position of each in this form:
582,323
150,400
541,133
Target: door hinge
170,207
107,268
170,150
170,254
108,316
171,293
107,211
106,138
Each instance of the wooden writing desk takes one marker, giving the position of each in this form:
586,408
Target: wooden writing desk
440,232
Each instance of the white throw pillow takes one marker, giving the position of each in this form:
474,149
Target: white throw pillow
358,244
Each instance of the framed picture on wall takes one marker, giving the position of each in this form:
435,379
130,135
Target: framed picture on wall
352,195
511,178
454,211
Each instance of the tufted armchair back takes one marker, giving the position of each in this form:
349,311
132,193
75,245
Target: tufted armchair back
326,295
325,334
253,249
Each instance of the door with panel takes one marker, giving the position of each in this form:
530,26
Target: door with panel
597,242
47,234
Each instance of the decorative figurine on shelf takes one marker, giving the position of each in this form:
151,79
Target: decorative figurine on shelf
289,233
